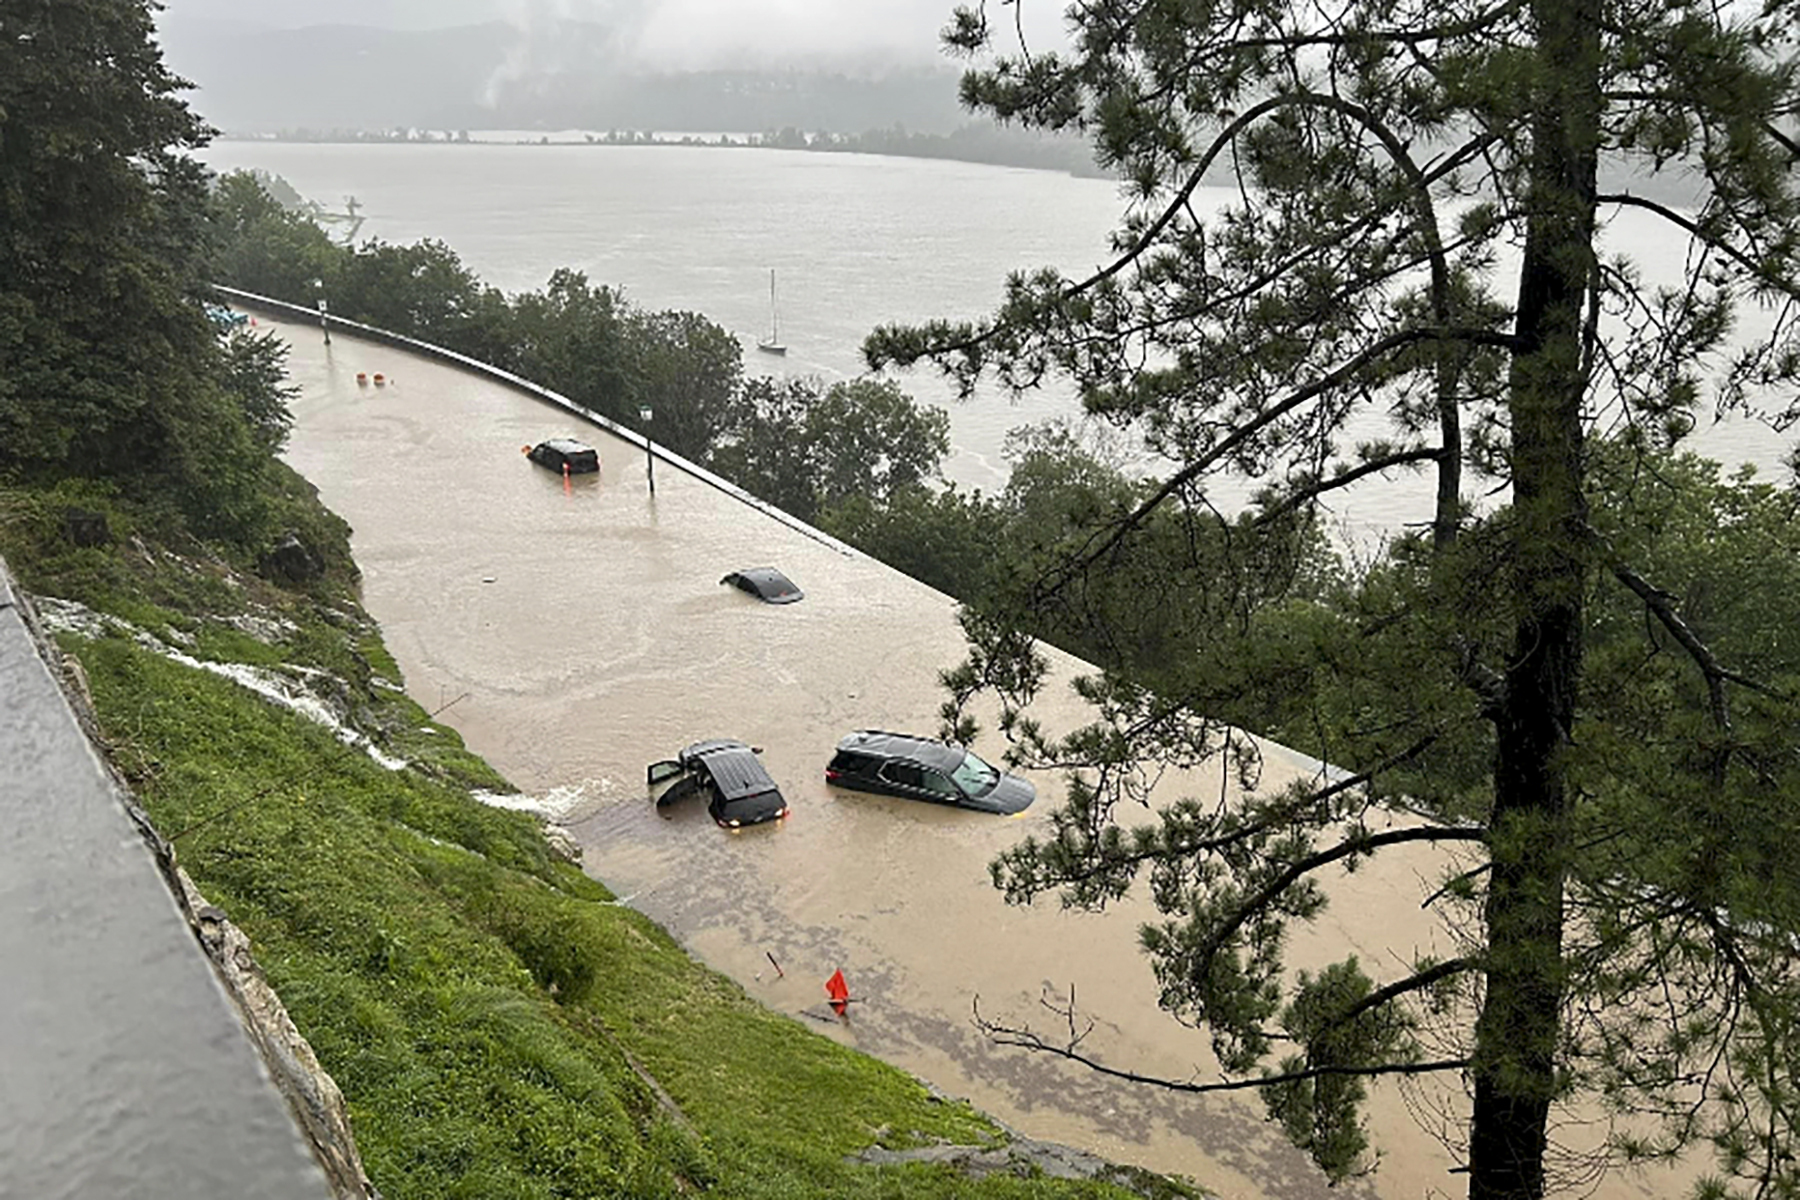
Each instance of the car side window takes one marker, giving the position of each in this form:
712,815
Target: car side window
903,774
937,781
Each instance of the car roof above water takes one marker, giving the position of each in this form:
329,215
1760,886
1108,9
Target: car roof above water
942,755
766,584
734,767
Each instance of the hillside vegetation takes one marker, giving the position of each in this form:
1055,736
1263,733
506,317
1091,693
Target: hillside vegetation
499,1025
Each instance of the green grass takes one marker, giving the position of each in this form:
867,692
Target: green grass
478,1002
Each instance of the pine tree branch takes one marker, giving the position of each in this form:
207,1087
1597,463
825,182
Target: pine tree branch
1420,180
1413,983
1782,139
1282,816
1766,274
1243,433
1660,603
1345,478
1024,1038
1477,23
1463,877
1347,848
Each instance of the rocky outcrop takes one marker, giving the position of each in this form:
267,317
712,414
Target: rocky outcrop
292,561
84,527
1027,1158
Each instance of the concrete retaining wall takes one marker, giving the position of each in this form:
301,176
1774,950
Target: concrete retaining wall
126,1069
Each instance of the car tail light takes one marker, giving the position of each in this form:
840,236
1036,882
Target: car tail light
832,776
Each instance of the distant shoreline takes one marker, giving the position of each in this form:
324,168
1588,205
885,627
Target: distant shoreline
971,145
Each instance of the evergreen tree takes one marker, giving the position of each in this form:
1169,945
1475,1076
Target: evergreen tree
109,366
1505,688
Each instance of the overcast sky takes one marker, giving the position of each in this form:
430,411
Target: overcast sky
670,33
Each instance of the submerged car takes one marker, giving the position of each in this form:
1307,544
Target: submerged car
766,584
919,768
559,453
739,791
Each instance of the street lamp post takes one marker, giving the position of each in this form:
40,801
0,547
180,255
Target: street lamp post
324,322
644,415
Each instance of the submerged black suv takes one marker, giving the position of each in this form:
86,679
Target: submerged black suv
739,792
565,454
899,764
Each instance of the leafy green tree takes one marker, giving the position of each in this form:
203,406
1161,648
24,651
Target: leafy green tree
873,439
763,451
806,449
255,371
943,537
687,369
572,337
1346,316
421,289
262,245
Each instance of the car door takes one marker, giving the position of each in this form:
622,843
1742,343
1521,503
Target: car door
936,786
688,782
904,779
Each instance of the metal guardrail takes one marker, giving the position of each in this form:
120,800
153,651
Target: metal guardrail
538,391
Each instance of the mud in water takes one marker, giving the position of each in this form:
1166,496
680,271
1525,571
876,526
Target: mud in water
579,633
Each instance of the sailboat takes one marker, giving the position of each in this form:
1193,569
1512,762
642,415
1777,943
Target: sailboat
772,343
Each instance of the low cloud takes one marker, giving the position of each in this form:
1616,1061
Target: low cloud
612,29
687,35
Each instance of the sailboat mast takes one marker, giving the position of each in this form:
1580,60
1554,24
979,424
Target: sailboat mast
773,343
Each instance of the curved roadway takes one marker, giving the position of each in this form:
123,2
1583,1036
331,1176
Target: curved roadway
581,634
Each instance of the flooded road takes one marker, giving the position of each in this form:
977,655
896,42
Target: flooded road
577,634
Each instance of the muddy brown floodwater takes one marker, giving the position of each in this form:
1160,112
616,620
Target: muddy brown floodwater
580,634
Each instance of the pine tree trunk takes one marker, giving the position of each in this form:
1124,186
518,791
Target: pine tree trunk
1516,1036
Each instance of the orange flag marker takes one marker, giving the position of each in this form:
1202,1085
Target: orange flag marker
839,991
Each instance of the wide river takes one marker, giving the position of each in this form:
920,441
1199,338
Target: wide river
855,240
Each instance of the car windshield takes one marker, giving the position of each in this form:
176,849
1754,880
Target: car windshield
975,777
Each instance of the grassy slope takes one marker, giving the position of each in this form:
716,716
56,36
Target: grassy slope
475,999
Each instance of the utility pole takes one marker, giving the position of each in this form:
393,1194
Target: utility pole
644,415
324,322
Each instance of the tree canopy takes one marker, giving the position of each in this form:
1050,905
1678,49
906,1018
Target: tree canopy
109,367
1576,691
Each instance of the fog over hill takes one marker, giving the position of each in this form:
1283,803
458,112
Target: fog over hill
728,65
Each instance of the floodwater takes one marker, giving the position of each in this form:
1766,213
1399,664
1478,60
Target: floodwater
856,240
574,634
